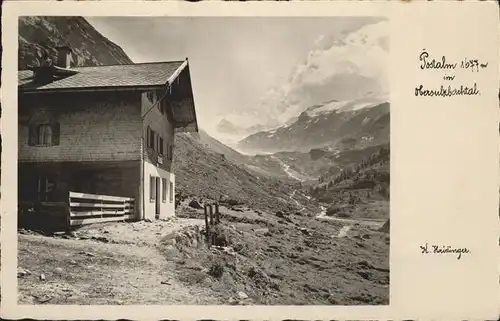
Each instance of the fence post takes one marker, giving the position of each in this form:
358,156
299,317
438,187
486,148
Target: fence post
217,213
207,230
211,211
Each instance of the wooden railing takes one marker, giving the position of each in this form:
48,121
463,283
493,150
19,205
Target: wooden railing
91,208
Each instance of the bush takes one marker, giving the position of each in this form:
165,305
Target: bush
232,202
332,210
344,215
220,236
216,269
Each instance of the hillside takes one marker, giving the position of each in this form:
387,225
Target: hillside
205,173
340,125
216,146
320,163
358,191
260,165
90,47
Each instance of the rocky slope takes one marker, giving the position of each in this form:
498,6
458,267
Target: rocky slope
208,174
90,47
339,125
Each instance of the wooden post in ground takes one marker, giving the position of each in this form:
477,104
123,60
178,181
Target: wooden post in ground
217,213
207,228
211,211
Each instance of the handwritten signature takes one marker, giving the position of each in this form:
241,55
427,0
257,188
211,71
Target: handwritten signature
444,249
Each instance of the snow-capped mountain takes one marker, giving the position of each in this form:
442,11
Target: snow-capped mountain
334,124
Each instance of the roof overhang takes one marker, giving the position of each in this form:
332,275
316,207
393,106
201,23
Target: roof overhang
92,89
183,108
176,73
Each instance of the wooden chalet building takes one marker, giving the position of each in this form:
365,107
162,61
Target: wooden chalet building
100,133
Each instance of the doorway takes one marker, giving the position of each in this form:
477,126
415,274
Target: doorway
158,201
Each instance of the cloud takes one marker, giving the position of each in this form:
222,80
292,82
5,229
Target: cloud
340,68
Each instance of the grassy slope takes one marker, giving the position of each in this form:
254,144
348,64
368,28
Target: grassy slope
360,193
204,173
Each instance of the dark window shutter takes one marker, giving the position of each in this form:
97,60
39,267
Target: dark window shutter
56,131
32,135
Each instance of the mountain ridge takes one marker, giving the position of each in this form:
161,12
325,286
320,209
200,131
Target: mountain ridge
321,126
37,32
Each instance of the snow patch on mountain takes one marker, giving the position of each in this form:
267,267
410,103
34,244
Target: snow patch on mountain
346,105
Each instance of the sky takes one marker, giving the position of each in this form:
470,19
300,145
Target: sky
241,68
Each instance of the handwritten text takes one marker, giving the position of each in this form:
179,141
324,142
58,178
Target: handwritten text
444,250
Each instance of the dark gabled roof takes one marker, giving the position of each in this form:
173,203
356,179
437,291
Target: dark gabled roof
112,76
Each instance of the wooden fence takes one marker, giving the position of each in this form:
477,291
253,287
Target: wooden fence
91,208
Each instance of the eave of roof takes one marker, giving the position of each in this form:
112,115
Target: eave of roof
139,77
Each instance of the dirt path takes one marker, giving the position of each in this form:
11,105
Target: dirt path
372,223
88,271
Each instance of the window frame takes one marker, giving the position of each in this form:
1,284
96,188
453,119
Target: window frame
49,187
151,138
152,188
44,134
164,190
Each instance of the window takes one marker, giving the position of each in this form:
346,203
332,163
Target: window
170,151
46,188
161,146
151,139
151,96
152,188
171,192
44,134
164,190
